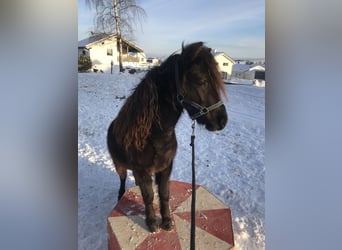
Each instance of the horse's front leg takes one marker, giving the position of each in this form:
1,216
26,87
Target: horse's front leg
144,180
122,172
162,180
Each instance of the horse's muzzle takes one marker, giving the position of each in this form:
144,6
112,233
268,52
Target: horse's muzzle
215,120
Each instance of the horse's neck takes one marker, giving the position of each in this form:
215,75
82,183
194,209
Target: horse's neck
169,110
169,114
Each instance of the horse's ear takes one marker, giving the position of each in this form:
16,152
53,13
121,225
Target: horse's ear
190,52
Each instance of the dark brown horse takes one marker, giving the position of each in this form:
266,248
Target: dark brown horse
142,137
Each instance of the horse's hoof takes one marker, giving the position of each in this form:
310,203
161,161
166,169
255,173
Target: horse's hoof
153,228
167,225
152,225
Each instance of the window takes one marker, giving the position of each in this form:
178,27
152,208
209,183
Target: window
109,52
225,64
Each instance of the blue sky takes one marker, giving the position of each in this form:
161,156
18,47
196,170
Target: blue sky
236,27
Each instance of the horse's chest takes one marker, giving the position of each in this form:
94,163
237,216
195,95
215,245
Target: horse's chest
157,155
165,150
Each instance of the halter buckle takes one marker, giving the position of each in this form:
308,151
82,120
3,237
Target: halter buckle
180,98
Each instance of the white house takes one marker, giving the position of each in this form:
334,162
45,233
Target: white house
249,72
152,61
102,49
255,72
225,64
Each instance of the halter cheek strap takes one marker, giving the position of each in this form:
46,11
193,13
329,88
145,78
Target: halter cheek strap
181,99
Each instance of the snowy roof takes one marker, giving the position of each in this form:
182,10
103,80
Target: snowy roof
89,40
101,37
247,67
241,67
257,67
215,54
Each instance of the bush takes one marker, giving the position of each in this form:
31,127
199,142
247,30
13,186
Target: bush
84,63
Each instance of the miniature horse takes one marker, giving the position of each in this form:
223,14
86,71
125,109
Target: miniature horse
142,137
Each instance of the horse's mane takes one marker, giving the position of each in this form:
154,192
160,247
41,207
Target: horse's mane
140,112
135,119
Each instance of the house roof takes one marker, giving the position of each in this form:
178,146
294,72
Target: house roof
215,54
241,67
246,67
88,42
257,68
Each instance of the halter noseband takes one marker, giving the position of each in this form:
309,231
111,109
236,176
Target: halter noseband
181,99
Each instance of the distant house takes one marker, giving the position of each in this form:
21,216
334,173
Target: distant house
249,72
225,64
152,61
102,49
256,72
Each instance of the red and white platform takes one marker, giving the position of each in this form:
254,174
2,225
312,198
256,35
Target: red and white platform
127,229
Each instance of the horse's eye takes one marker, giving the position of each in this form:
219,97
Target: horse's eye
202,82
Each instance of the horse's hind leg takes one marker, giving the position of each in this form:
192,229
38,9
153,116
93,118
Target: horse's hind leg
122,172
144,180
162,180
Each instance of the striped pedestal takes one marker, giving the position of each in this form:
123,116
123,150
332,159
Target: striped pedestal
127,229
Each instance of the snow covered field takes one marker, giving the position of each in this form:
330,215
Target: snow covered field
229,163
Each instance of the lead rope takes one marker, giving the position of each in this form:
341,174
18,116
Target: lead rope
193,198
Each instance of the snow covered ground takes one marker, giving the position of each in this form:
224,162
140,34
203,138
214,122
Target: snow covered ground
229,163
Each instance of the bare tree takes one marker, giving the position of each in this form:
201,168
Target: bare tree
117,16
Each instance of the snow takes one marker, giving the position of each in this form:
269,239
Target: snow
229,163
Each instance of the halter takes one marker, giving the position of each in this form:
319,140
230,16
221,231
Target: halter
182,99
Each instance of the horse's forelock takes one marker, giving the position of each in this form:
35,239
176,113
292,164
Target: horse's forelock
217,80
